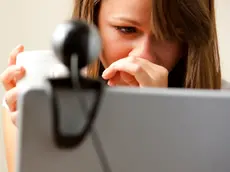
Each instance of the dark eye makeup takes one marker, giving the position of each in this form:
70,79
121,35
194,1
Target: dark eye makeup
126,29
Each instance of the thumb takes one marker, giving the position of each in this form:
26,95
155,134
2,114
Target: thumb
14,116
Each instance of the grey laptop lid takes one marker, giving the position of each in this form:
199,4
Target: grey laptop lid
136,130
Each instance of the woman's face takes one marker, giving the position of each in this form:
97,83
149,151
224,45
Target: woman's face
125,28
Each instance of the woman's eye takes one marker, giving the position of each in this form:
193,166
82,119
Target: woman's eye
126,30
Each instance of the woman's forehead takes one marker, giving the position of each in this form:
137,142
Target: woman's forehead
138,9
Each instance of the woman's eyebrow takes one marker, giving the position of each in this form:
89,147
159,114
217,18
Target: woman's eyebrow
126,19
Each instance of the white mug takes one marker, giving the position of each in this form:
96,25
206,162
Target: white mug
39,65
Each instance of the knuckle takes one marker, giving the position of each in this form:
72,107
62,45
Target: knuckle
4,75
3,79
163,71
11,96
132,59
138,69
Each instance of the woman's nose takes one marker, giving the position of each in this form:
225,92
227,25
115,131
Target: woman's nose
144,49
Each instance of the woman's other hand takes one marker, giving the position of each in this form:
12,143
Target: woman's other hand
9,78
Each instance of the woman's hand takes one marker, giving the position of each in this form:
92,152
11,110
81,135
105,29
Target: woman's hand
134,71
9,77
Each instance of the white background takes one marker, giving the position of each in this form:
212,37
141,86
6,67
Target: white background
31,23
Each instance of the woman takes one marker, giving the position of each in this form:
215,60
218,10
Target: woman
148,43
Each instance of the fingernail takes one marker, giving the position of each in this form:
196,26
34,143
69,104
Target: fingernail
104,73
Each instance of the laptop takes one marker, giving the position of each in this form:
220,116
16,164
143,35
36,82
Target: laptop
135,130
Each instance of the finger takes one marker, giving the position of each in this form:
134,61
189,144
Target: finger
110,72
14,53
129,79
11,98
157,74
123,79
111,83
14,116
11,75
116,80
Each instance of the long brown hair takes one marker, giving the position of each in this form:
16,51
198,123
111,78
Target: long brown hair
190,22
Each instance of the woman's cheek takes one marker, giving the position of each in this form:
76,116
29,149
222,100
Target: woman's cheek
113,50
